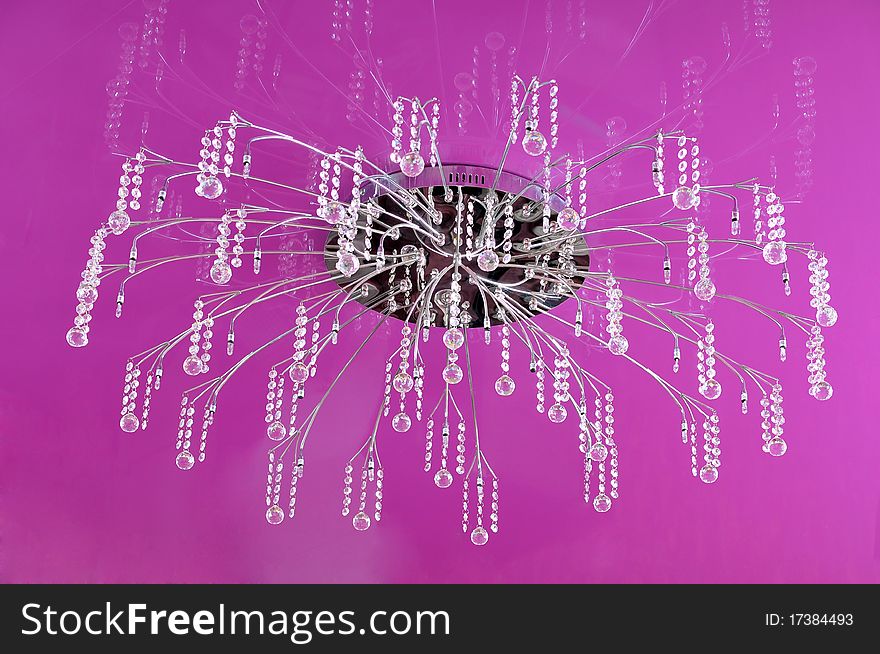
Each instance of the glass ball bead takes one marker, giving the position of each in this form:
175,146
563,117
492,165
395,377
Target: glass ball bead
452,373
334,212
77,337
826,316
185,460
276,430
443,478
453,338
401,422
361,521
534,143
412,164
193,365
557,413
87,294
221,272
487,260
299,372
479,536
118,222
210,188
505,385
249,24
684,198
598,452
708,474
618,345
704,289
347,264
403,382
822,391
602,503
774,253
494,41
568,218
129,423
711,390
274,515
777,446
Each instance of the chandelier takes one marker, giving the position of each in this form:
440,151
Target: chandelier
503,258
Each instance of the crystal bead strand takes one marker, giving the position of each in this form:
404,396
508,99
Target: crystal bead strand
505,384
762,23
369,474
119,220
371,214
274,475
514,110
275,429
819,387
585,447
804,69
704,289
206,344
611,445
774,251
386,399
429,443
129,422
479,535
397,132
136,180
435,124
148,396
709,387
554,115
403,381
493,517
826,315
539,384
207,421
760,234
776,446
419,383
229,152
657,166
209,186
313,350
221,271
766,436
238,248
185,460
296,472
346,490
557,412
193,364
465,517
87,292
323,210
443,478
299,371
617,343
711,447
460,448
469,230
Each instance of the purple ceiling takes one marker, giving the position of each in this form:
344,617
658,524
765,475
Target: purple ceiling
82,502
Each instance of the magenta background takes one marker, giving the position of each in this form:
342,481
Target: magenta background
82,502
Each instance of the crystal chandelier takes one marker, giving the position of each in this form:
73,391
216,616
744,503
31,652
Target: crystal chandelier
457,257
